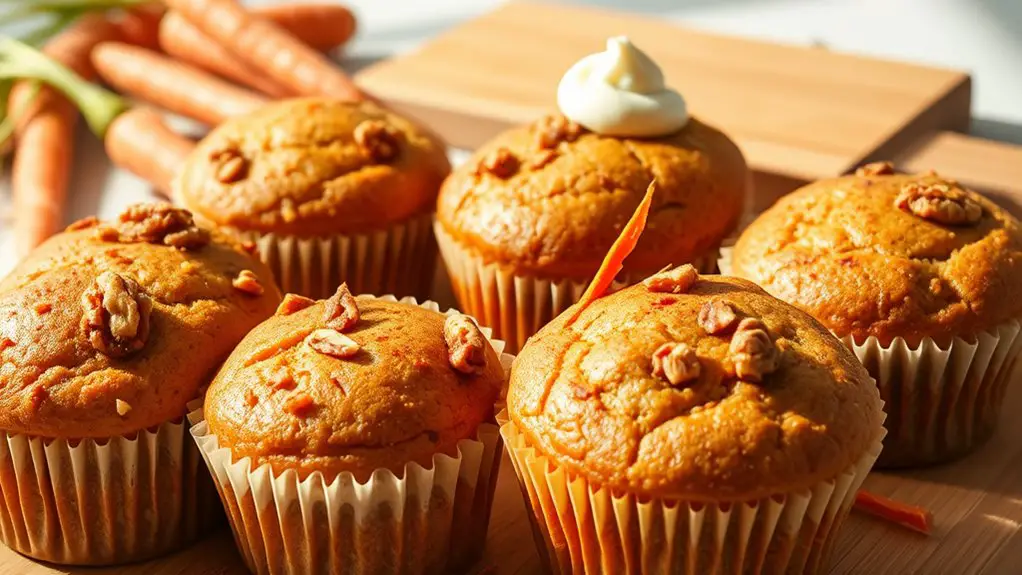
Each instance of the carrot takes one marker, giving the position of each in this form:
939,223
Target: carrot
908,516
613,262
171,85
267,47
321,26
139,141
141,26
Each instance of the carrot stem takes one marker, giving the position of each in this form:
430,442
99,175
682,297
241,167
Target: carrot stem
908,516
613,262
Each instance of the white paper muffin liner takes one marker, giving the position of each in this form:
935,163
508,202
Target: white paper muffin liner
424,520
942,401
399,259
517,306
104,502
582,528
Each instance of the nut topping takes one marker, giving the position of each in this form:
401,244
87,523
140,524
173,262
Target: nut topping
116,315
341,311
942,202
676,362
293,303
875,169
466,346
231,166
123,407
378,140
552,130
501,163
674,280
752,351
333,343
157,223
248,282
542,158
716,316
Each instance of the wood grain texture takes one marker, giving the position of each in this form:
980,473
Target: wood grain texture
976,502
797,112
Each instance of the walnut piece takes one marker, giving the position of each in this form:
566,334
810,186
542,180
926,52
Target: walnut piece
942,202
716,316
501,162
542,158
752,351
466,346
123,407
293,303
156,223
674,280
552,130
230,166
333,343
378,140
116,315
246,281
875,169
676,362
341,310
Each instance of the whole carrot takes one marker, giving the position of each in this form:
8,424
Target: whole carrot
267,47
139,141
171,85
321,26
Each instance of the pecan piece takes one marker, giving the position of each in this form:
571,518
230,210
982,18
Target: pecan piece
942,202
673,280
552,130
293,303
230,167
116,315
341,310
716,316
752,351
676,362
247,282
501,163
466,346
378,140
157,223
875,169
333,343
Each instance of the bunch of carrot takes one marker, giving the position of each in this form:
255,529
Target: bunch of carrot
203,59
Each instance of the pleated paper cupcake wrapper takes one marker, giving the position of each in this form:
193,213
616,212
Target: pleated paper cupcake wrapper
106,502
425,520
942,401
517,306
581,528
399,260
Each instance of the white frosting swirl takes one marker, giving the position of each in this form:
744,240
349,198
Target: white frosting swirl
621,92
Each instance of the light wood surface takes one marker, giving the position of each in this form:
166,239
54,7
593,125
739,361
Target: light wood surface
796,112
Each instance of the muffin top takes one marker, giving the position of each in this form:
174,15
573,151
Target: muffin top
312,167
549,199
354,384
111,328
701,388
889,255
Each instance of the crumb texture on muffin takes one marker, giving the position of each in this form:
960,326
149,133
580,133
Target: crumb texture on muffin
111,328
313,166
888,255
550,198
306,392
638,395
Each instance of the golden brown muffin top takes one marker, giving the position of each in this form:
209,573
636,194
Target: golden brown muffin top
549,199
641,394
888,255
385,385
108,329
311,167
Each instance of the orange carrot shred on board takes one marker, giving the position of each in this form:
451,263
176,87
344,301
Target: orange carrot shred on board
908,516
613,262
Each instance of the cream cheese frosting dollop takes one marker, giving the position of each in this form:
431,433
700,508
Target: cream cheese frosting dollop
621,92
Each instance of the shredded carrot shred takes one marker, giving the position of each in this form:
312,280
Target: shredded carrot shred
908,516
613,262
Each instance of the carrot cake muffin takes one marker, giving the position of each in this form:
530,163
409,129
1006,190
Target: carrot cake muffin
525,223
329,191
355,435
920,277
691,423
108,330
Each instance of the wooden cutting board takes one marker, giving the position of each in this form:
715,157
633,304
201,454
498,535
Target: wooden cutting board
797,113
